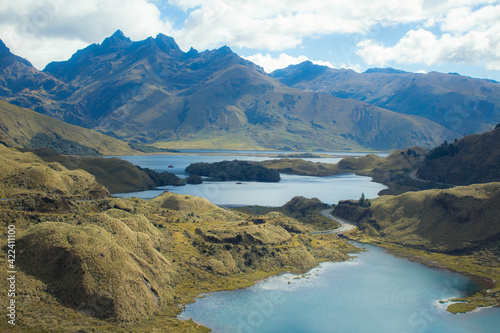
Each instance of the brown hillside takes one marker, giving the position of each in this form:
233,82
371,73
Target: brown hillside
19,125
25,173
453,220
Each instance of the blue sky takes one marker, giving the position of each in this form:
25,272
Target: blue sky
460,36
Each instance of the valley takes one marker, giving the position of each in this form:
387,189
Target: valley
121,227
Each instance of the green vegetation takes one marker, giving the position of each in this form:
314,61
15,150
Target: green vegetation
234,170
194,179
445,149
456,228
363,202
162,178
62,146
473,159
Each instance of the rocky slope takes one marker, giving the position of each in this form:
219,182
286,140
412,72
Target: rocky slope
150,91
461,104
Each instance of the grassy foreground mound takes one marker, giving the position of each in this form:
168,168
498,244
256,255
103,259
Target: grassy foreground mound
108,264
302,209
117,175
457,228
108,267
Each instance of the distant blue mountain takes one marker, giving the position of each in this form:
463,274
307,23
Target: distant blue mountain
459,103
151,91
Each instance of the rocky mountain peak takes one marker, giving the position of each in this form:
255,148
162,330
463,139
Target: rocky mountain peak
388,70
7,58
117,40
167,44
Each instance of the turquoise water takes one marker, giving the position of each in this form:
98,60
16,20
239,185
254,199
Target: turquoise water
327,189
376,292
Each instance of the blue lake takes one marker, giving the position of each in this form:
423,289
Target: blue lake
376,292
327,189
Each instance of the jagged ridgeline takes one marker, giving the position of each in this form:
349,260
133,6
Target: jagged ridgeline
154,93
234,170
459,103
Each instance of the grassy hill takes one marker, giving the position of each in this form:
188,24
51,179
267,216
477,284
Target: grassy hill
473,159
455,228
20,127
117,175
114,265
302,209
455,220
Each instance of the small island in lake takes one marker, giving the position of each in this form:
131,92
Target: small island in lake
234,170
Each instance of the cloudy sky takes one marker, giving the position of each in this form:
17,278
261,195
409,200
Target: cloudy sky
460,36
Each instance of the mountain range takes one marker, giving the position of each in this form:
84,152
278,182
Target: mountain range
152,92
461,104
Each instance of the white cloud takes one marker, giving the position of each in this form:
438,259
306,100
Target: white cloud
444,31
469,37
280,25
468,28
42,31
283,60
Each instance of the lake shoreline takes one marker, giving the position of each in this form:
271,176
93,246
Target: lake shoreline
473,300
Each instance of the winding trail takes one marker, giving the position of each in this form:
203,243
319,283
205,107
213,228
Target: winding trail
413,175
345,225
